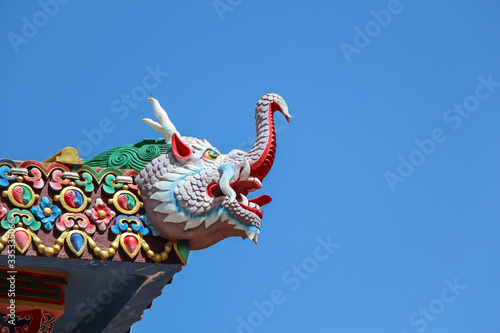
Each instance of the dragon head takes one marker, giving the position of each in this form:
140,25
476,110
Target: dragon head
196,193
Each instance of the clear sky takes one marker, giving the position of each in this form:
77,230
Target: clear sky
386,184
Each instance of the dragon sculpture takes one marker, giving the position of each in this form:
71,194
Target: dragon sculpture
196,193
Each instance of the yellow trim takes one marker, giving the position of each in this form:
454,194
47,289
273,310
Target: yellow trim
184,262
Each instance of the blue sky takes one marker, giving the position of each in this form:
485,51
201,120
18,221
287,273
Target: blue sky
386,214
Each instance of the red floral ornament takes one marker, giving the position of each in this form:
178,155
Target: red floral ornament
101,214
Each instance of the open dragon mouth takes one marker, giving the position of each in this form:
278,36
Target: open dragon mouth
242,188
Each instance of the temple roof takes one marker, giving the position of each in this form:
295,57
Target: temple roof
88,223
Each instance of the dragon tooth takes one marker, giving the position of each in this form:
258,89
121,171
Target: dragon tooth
245,172
244,199
251,204
256,238
256,180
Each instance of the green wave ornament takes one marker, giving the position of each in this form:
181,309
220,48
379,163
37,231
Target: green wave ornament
134,157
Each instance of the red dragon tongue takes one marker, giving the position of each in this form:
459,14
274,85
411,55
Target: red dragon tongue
262,200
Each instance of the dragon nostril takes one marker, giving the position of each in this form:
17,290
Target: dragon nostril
236,153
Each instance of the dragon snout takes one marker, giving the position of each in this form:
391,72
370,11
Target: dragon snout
245,170
239,162
236,153
233,184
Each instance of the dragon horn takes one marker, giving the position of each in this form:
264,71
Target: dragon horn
165,126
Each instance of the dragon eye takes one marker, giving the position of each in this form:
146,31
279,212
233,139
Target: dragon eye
211,155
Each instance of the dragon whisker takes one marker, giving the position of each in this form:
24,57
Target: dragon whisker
227,174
